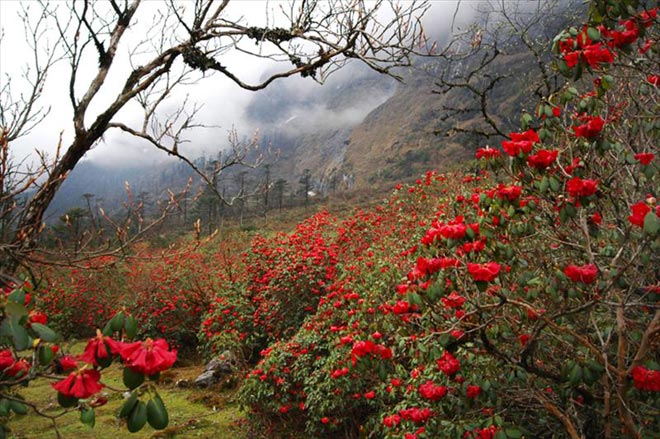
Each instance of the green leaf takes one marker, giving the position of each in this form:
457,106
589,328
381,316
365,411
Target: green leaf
513,433
651,223
66,401
45,333
11,327
16,309
130,326
88,417
132,379
18,296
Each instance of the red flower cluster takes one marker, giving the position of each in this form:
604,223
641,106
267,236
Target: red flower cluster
578,187
148,357
416,415
542,159
363,348
100,348
448,364
82,383
510,192
646,379
488,153
431,391
639,212
644,158
484,272
590,127
520,142
392,421
586,273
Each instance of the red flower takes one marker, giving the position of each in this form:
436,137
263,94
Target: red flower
484,272
6,359
448,364
67,362
624,37
401,307
488,153
82,383
37,317
431,391
645,158
392,421
639,211
417,415
520,142
370,395
645,379
473,391
99,348
542,159
577,187
591,127
148,357
454,300
596,54
586,274
508,192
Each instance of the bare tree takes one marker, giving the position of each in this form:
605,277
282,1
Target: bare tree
186,43
507,46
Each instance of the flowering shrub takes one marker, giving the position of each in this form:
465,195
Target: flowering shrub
529,303
28,351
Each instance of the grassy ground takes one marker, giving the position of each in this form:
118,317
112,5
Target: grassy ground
194,413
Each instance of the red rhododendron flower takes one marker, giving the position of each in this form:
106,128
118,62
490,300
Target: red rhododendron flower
646,379
520,142
624,37
510,192
429,390
6,359
454,300
401,307
542,159
18,369
37,317
596,218
488,153
473,391
448,364
99,348
67,362
645,158
590,128
148,357
416,415
586,273
392,421
484,272
653,80
577,187
82,383
596,54
646,18
639,211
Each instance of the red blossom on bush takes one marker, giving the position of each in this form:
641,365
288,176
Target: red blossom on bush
646,379
578,187
100,348
82,384
392,421
448,364
520,142
639,211
644,158
487,153
472,391
484,272
590,128
148,357
6,359
510,192
416,415
542,159
431,391
586,273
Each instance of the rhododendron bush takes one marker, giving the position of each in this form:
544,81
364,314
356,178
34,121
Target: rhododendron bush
524,301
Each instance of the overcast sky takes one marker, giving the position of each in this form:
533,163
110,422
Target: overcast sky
223,101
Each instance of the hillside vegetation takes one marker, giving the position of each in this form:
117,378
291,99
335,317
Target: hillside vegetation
517,298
